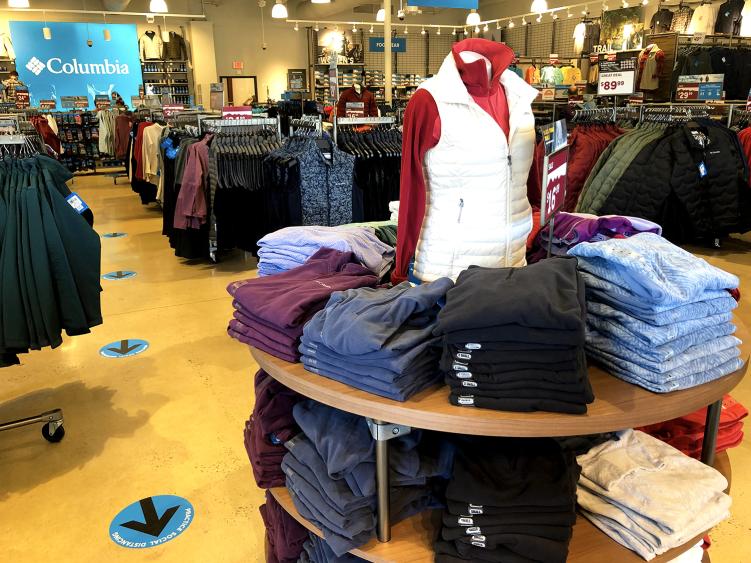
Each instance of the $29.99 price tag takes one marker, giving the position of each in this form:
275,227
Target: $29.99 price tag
616,83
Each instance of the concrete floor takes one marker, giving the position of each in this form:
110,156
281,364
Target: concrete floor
170,420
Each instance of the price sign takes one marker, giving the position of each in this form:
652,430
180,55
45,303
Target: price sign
102,101
616,83
700,87
171,109
22,99
636,99
355,109
81,104
47,104
554,59
698,38
548,94
237,112
554,184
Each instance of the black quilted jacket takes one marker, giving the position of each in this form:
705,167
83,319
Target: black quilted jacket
692,181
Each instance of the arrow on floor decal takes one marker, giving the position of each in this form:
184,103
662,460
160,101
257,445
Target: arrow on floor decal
124,348
153,524
119,275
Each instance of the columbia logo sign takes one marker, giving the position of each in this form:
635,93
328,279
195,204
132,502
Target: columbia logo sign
55,65
35,65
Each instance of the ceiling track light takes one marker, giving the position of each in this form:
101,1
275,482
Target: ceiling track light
569,14
498,25
555,16
371,28
539,18
453,31
585,11
473,18
644,2
316,28
511,24
477,29
605,7
486,28
524,21
297,27
438,31
354,28
406,30
625,4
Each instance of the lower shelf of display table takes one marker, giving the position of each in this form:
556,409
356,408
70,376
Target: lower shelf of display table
412,539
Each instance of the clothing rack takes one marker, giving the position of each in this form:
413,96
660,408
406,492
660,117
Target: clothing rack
306,126
53,430
338,121
598,115
217,124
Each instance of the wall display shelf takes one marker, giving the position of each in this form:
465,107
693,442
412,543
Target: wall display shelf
169,77
618,405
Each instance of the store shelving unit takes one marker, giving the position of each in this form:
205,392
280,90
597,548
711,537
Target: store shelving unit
169,77
618,405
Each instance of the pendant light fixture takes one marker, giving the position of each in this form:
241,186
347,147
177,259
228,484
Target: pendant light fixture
158,7
320,1
381,14
106,32
473,18
18,3
279,11
539,6
46,31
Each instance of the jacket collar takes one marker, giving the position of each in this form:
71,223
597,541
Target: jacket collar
453,90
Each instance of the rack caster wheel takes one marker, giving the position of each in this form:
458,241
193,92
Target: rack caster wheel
51,433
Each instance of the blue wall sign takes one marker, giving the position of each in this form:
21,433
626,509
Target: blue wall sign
151,521
124,348
67,66
114,235
463,4
119,275
398,44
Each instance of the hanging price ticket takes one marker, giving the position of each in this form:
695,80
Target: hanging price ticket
619,83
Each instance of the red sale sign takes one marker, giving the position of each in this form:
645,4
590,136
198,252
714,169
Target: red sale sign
554,185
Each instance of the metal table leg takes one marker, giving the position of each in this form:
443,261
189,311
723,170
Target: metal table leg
710,432
382,432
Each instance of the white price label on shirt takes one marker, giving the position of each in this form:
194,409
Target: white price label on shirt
619,83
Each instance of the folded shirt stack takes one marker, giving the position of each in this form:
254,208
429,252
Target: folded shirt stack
648,496
514,337
285,536
686,433
270,312
509,500
378,340
330,473
570,229
269,426
315,550
658,316
290,247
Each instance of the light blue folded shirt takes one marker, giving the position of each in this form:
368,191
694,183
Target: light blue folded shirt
303,242
690,311
651,269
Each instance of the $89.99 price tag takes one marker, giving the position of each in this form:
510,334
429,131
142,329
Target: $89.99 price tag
616,83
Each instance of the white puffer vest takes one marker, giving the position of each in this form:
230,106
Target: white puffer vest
477,212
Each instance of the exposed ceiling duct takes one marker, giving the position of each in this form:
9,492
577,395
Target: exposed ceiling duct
115,5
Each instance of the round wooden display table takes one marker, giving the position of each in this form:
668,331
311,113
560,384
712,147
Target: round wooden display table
618,405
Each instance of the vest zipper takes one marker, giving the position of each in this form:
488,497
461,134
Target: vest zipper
461,208
508,205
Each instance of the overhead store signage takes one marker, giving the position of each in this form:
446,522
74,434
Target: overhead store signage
461,4
700,87
67,66
398,44
47,104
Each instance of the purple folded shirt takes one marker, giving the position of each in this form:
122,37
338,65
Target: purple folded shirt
287,336
288,299
262,346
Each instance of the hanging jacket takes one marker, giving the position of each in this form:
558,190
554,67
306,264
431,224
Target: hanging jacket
326,186
695,191
477,211
175,49
150,46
